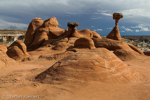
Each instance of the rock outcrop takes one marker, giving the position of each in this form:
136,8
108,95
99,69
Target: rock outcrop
115,34
84,43
17,50
90,65
3,48
48,30
30,34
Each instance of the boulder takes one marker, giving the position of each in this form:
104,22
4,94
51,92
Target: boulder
84,43
90,65
34,24
17,50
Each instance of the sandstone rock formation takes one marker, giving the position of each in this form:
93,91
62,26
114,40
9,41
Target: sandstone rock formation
84,43
115,34
3,48
91,65
73,32
17,50
48,30
136,49
122,49
30,34
147,53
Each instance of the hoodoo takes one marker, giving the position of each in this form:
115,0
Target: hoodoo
115,34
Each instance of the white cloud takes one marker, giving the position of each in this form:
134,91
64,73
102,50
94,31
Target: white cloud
122,26
106,14
5,24
92,26
122,31
109,28
98,30
137,30
127,29
96,17
136,13
142,27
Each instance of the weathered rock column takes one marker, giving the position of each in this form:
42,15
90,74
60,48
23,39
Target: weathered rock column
115,34
71,29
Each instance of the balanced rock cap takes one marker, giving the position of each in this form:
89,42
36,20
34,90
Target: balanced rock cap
117,16
72,24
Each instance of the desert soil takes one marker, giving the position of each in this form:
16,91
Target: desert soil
17,83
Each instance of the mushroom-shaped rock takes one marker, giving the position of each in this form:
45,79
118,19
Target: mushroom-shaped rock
17,50
89,65
71,29
30,34
84,43
115,34
116,17
72,24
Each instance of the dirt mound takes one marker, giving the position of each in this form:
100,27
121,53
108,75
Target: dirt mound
90,65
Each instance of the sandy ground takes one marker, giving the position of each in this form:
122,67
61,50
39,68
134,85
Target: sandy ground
17,83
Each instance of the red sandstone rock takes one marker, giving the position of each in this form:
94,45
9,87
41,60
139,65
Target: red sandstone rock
110,44
117,45
126,55
51,22
115,34
73,32
136,49
17,50
96,35
34,24
49,30
147,53
84,43
3,48
91,65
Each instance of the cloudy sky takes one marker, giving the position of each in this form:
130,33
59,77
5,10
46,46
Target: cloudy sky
95,15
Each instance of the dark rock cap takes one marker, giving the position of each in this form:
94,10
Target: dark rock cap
117,16
72,24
